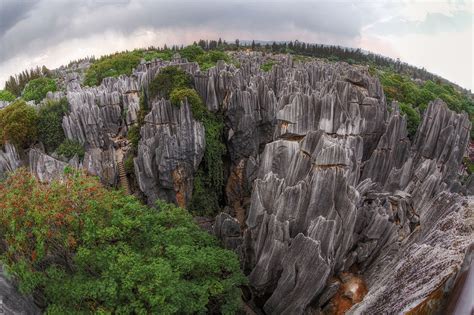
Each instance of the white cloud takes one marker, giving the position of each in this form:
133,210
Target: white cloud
54,32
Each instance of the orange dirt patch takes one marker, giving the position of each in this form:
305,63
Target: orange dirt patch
351,292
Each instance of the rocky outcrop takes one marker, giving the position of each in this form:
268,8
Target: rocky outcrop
11,301
341,186
171,147
327,190
45,167
9,159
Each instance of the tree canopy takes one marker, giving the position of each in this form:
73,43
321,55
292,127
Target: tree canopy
18,124
82,248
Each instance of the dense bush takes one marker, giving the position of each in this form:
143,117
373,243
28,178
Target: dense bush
418,95
169,78
210,58
192,52
16,83
413,119
37,89
180,94
18,124
133,136
267,66
129,165
6,95
163,55
84,249
209,179
112,66
205,59
50,117
70,148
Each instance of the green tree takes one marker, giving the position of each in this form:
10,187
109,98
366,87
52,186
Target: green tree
84,249
267,66
192,52
18,124
169,78
413,119
112,66
37,89
6,95
70,148
50,117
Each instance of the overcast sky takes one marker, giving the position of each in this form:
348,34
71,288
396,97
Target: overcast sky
432,34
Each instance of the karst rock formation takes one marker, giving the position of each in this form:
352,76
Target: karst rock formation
323,184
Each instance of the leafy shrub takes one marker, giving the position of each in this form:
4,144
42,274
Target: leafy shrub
133,136
209,59
267,66
404,90
129,165
163,55
180,94
413,119
169,78
82,248
112,66
50,117
209,179
18,124
6,95
70,148
191,52
37,89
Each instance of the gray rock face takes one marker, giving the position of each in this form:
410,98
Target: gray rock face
340,185
12,302
171,147
45,167
322,178
9,160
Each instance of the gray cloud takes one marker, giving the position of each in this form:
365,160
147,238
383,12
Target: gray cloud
52,32
11,12
50,22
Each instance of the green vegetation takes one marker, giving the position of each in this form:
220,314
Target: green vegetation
209,179
37,89
180,94
111,66
133,136
205,59
163,55
413,119
267,66
17,83
50,118
176,84
192,52
6,95
417,96
129,165
83,249
168,79
18,124
122,63
70,148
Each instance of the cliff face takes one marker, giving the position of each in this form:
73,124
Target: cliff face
323,179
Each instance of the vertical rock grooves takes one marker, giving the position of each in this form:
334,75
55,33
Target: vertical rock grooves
322,177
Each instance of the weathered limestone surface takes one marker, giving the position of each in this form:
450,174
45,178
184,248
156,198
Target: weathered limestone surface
171,147
9,159
341,185
14,303
45,167
322,178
